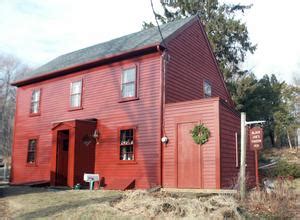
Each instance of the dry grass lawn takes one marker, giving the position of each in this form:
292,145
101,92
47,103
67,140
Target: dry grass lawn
45,203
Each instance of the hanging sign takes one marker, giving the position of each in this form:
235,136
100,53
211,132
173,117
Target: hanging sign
256,138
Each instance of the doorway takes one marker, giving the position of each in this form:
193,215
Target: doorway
188,157
62,158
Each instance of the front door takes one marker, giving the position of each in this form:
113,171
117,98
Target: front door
189,157
62,158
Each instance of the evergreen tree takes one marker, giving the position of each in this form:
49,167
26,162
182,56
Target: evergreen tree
271,100
227,34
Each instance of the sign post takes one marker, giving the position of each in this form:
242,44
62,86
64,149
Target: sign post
256,143
91,178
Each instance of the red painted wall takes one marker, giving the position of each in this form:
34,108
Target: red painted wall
101,101
206,111
190,63
229,124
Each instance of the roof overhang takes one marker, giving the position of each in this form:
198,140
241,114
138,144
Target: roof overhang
90,64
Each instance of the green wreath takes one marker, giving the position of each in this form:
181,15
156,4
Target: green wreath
200,134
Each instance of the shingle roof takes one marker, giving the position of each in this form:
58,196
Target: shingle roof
119,45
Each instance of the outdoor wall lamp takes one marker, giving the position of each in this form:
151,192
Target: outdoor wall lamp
96,135
164,140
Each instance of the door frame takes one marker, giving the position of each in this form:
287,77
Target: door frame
181,120
53,171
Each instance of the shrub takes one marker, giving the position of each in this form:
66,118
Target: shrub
284,169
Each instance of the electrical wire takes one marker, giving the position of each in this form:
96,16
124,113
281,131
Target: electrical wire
158,27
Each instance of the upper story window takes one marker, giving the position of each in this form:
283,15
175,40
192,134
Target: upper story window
75,94
207,89
31,153
127,144
129,83
35,101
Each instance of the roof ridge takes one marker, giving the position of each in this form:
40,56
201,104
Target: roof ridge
122,44
127,35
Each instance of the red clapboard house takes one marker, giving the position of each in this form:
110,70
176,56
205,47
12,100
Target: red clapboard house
104,109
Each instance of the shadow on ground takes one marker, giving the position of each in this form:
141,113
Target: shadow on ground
50,211
7,191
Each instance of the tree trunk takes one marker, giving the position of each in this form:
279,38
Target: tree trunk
289,139
271,135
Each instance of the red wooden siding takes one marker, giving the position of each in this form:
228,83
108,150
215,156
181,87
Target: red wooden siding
229,124
190,63
205,111
100,100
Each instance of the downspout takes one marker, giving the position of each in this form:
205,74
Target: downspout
162,114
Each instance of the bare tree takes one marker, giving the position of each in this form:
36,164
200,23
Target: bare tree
10,69
297,108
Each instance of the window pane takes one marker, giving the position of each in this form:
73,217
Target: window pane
32,145
31,157
34,107
76,100
128,75
76,87
127,153
35,96
128,90
207,89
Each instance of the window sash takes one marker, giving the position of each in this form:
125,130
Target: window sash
76,100
128,90
76,87
129,75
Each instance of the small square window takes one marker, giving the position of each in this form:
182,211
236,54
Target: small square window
129,83
75,94
207,89
127,144
31,153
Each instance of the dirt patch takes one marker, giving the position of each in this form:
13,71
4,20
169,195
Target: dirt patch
4,209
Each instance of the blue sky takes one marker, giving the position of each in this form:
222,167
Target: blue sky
38,31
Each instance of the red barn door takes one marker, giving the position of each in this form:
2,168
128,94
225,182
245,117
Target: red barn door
189,157
62,158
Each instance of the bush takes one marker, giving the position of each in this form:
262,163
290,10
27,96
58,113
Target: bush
284,169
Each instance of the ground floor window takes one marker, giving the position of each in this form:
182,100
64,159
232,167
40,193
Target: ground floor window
31,154
127,144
